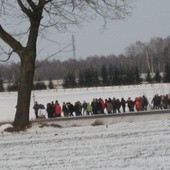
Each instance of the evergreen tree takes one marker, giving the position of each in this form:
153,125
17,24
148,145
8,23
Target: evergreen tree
69,81
148,77
104,75
96,81
72,80
166,77
39,85
1,85
13,87
131,76
138,79
88,78
128,76
117,77
157,78
81,79
91,78
50,84
65,82
166,54
110,74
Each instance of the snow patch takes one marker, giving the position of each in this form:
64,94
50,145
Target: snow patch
4,127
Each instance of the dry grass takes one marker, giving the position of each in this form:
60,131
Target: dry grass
19,129
42,125
14,129
97,123
75,125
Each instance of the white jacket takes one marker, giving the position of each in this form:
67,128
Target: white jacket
42,113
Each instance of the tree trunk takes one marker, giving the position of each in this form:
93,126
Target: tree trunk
24,92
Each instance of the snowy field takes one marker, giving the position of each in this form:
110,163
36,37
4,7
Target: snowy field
129,145
132,146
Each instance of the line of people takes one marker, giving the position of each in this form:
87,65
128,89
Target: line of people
52,110
100,106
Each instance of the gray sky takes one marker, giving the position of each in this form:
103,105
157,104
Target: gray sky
149,19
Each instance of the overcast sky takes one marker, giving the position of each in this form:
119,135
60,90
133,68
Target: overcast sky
149,19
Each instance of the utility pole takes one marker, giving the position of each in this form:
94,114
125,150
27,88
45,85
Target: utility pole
73,46
148,62
74,57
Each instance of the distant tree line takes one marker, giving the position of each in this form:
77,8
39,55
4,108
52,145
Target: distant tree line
150,59
114,76
107,76
39,85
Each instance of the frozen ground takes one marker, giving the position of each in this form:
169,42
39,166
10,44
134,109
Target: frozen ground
125,145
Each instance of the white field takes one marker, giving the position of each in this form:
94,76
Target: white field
125,145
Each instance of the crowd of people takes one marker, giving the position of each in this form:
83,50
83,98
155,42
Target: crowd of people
100,106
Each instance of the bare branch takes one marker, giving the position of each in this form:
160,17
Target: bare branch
60,15
23,8
12,42
63,13
52,55
8,54
32,4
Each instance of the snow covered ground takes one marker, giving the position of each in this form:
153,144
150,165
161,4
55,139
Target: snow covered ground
125,145
135,145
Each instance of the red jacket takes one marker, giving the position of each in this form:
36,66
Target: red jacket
57,110
138,105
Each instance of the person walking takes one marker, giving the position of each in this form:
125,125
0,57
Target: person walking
36,107
89,109
130,104
42,112
123,104
57,109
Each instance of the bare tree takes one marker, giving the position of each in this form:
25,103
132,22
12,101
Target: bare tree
32,17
